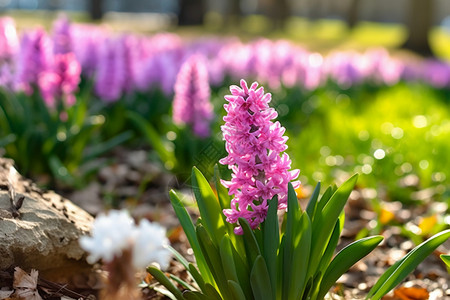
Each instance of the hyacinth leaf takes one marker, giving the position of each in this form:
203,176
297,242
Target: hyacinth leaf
211,292
322,202
208,206
291,235
236,291
197,276
312,203
271,241
164,292
226,255
346,258
99,149
152,137
446,259
332,243
59,170
224,202
182,283
259,278
301,254
193,295
189,229
155,272
212,257
179,257
251,244
398,271
326,220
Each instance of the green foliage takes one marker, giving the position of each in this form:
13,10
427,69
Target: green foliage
59,141
291,261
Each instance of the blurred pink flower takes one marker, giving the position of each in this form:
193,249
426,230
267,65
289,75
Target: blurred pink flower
192,104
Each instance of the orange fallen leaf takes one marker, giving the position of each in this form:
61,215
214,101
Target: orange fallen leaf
411,293
175,234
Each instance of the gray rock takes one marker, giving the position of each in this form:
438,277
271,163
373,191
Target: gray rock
43,233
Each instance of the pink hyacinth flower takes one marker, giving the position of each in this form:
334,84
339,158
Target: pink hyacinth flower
254,145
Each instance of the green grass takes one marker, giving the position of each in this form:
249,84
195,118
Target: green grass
384,134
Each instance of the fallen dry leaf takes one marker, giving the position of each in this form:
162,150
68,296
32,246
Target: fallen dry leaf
26,285
411,293
5,294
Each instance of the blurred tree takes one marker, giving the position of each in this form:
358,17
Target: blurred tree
278,11
419,25
234,12
96,9
191,12
352,13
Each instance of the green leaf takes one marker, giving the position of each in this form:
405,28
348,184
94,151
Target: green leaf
208,206
271,241
251,244
182,282
193,295
332,243
189,229
197,276
224,202
312,203
446,259
100,149
211,292
291,237
236,291
259,278
158,275
226,255
398,271
326,220
346,258
152,137
212,257
300,259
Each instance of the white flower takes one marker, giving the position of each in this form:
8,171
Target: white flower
116,232
150,245
111,234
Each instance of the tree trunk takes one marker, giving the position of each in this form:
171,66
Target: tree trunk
278,12
234,13
352,14
96,9
191,12
419,25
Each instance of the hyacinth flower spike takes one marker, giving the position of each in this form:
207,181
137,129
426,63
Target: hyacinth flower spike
192,104
254,144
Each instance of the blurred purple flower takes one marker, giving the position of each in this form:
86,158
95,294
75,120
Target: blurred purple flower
62,36
254,145
61,81
192,104
111,76
35,56
89,39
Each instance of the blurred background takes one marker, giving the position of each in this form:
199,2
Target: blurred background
421,26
